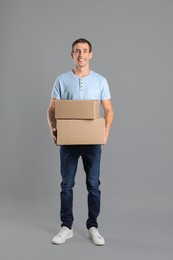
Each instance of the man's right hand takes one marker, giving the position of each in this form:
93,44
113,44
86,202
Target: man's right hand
54,135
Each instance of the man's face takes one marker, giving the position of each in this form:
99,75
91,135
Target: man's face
81,54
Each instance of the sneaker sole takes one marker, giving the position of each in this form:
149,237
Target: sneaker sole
60,243
96,244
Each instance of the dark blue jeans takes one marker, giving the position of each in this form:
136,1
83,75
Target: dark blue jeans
69,155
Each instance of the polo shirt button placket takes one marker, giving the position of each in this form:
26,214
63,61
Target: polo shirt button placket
81,84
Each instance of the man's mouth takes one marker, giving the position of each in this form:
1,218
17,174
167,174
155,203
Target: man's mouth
81,60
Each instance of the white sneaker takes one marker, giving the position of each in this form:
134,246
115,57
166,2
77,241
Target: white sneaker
63,234
95,237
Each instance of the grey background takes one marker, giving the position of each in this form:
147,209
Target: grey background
132,42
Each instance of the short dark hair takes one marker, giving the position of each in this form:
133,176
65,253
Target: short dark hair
82,40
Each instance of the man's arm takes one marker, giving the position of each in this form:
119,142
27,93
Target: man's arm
109,115
51,119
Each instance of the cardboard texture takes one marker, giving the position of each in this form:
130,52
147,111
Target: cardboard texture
77,109
75,132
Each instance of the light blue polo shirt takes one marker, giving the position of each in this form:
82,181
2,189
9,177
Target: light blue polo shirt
91,87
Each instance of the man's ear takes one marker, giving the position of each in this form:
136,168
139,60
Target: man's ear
72,54
91,55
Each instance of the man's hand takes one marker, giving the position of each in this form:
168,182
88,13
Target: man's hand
54,135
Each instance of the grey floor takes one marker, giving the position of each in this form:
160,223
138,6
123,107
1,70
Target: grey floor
133,233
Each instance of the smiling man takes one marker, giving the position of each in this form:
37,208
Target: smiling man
81,54
81,83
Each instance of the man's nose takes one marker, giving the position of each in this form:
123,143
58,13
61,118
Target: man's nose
80,53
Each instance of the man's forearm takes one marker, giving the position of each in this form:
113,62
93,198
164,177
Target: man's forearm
109,115
51,119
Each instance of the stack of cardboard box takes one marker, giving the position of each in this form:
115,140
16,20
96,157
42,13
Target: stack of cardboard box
79,122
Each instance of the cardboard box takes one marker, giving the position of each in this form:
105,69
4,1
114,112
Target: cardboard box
77,109
75,132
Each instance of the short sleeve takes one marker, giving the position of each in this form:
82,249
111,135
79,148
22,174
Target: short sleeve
105,93
56,90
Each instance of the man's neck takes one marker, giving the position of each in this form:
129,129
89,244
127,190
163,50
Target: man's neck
81,72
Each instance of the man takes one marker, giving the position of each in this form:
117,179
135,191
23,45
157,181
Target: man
80,83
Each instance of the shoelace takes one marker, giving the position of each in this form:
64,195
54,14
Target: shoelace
61,231
95,232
